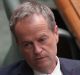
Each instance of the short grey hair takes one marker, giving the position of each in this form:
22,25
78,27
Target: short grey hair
29,8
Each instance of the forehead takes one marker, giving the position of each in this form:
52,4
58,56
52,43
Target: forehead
34,18
32,21
31,25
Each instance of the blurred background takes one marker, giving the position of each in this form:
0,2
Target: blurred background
68,47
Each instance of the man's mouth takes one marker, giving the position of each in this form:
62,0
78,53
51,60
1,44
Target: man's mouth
39,59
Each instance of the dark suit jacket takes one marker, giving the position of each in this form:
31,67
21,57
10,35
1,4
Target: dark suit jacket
68,67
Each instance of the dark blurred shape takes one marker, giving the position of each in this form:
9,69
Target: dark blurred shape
67,47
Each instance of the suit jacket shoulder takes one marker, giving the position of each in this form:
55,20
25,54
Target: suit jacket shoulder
70,66
19,68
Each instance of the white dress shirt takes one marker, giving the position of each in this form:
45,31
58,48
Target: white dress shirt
56,71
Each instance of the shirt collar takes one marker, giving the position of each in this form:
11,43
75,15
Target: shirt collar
56,71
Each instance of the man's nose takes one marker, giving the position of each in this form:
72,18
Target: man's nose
37,49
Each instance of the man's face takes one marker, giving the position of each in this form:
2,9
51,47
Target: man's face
37,42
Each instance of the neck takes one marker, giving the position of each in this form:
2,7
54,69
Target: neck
52,67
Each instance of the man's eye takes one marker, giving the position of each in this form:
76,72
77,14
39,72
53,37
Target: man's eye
27,45
43,40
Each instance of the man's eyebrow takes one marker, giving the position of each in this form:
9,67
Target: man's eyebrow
24,42
44,35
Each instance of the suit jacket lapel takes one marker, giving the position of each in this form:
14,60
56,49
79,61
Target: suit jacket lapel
25,69
69,67
64,70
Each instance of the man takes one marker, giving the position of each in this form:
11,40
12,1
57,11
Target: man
36,33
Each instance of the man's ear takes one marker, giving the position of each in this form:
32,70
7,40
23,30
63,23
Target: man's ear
56,33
